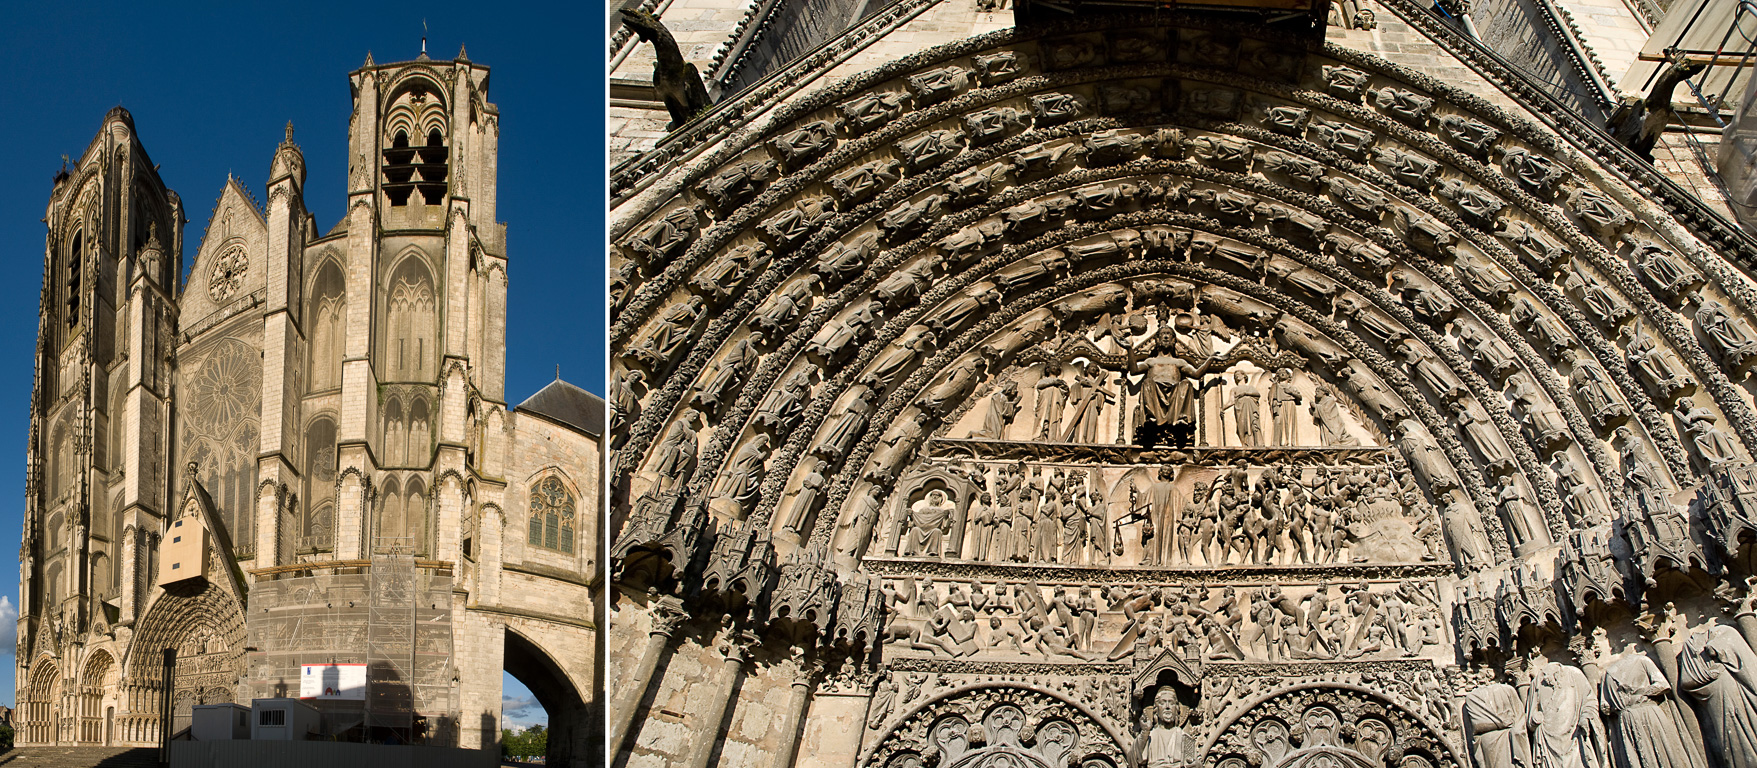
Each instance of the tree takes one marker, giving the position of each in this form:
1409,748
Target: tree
524,745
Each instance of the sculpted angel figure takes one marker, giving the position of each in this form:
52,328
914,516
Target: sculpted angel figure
1002,407
1326,411
1284,400
1247,410
1086,401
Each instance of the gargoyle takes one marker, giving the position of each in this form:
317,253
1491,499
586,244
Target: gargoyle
675,80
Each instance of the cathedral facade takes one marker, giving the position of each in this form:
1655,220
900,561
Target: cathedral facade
303,452
1226,385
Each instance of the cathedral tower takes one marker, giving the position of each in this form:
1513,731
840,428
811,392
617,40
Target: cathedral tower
314,424
95,493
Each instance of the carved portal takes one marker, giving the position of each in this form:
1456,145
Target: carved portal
1243,402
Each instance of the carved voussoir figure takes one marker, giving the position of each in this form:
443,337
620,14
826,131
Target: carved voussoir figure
862,182
725,274
1655,363
1665,269
1407,106
663,341
931,148
1294,167
793,225
1345,83
1546,256
1344,138
736,185
660,242
1730,337
1056,108
1598,213
997,68
1408,167
1539,175
799,147
1596,392
991,125
1473,201
911,218
1474,136
937,85
873,110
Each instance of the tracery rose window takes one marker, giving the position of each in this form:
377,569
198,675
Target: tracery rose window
228,274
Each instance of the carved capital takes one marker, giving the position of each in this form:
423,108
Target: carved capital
668,615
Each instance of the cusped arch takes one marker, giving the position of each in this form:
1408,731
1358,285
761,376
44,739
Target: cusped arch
1336,724
1022,725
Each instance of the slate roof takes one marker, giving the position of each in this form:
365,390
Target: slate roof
567,404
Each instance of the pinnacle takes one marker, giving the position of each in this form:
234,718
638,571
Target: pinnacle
368,59
462,56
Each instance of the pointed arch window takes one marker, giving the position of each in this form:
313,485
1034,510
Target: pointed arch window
328,304
552,516
74,258
411,325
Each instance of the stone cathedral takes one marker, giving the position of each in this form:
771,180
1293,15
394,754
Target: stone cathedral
1354,384
303,452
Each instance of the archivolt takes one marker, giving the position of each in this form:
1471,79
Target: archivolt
1377,203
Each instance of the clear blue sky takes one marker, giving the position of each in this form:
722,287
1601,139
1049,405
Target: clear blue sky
211,87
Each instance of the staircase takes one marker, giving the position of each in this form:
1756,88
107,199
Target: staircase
80,757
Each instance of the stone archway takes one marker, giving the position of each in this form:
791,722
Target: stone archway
1376,345
98,677
42,706
568,717
1327,725
1461,257
204,621
993,725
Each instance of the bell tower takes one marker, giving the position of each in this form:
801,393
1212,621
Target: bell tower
108,309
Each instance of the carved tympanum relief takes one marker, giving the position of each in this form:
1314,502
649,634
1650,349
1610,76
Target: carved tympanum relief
1295,410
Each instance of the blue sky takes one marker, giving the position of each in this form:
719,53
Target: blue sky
211,87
